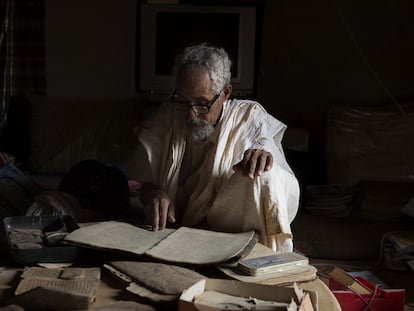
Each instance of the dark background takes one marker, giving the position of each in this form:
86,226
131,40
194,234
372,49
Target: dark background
312,55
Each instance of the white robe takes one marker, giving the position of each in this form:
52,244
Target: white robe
228,200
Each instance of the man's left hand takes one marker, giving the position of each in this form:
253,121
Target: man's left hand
254,163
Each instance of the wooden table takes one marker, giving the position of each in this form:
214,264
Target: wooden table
112,290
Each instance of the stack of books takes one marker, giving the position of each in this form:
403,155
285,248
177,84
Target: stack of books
264,266
329,200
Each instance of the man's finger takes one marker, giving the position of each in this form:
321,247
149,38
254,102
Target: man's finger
165,204
269,162
261,164
254,164
251,170
171,214
248,154
155,216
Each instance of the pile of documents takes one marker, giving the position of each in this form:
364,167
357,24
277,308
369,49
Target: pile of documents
329,200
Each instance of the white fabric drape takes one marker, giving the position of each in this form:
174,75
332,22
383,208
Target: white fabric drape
228,200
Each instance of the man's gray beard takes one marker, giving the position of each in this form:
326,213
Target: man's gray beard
199,129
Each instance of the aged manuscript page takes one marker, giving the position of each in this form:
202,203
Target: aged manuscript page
184,245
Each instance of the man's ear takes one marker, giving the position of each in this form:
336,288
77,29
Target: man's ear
227,91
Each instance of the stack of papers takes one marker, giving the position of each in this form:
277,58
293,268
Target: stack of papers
330,200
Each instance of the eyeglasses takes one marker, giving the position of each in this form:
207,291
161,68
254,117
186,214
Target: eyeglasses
183,104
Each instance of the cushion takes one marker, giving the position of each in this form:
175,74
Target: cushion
371,143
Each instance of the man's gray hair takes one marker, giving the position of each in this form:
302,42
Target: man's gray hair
214,60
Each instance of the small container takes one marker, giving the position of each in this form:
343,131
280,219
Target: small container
45,254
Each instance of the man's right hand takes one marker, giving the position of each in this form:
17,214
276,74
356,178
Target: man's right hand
158,207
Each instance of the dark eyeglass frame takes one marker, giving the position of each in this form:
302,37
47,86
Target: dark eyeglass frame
198,109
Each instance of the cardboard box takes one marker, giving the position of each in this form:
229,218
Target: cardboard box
187,301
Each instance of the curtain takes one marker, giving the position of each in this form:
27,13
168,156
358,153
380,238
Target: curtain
22,51
4,64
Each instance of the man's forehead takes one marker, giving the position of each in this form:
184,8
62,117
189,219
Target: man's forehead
194,82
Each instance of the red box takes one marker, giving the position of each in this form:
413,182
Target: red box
378,300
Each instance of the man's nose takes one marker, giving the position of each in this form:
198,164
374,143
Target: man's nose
191,113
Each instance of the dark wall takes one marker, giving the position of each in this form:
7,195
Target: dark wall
316,54
90,46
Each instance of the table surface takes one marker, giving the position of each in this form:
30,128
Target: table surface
113,290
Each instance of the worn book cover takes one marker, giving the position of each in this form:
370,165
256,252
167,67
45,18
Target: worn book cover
272,263
50,289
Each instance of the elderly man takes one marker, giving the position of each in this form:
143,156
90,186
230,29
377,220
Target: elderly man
209,161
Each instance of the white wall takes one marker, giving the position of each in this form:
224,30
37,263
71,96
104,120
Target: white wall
90,48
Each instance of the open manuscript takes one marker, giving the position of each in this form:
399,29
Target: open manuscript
183,245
